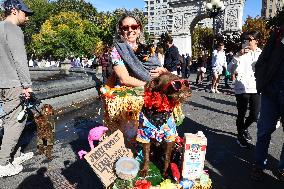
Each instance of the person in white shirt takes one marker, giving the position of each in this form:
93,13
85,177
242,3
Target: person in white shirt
245,86
218,63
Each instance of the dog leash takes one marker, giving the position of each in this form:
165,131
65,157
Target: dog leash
31,103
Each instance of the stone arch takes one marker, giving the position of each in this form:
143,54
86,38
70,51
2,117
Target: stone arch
197,19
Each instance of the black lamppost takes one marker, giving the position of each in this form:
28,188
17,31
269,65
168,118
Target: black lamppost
214,8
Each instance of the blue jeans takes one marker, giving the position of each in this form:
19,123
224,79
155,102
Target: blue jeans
272,108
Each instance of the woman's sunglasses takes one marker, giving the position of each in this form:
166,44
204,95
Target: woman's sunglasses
127,27
176,85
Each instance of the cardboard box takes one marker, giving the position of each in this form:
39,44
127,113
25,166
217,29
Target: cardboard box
194,155
102,158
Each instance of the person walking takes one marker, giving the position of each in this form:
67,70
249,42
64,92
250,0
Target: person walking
172,56
245,87
229,58
105,63
184,67
201,70
15,80
269,73
160,54
218,64
188,62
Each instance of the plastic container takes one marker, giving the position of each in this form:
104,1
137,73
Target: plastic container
127,168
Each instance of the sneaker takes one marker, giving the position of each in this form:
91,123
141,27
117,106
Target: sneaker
216,90
22,158
10,170
212,91
247,135
257,173
242,141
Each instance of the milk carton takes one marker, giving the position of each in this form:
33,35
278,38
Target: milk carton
194,155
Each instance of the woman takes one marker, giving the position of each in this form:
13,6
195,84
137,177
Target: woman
160,54
134,64
127,66
218,64
245,86
202,62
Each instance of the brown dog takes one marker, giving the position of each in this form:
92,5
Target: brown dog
157,123
45,130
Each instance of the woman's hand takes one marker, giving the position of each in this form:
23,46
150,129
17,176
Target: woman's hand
157,72
244,51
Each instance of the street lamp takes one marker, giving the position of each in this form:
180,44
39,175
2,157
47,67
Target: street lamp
214,8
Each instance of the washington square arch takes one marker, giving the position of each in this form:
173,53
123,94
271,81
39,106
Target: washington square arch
179,17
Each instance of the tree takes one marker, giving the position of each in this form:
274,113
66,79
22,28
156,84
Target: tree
105,23
85,9
66,34
202,41
258,24
42,11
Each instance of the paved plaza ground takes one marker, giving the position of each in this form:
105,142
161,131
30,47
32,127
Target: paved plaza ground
214,114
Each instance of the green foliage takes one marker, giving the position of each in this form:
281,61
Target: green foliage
66,34
258,24
202,41
42,10
86,10
92,36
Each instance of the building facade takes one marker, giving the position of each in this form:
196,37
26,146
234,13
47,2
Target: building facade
271,7
177,17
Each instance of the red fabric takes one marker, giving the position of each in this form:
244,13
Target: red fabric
158,101
142,184
175,172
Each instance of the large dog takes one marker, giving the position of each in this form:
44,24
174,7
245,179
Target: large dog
156,122
45,130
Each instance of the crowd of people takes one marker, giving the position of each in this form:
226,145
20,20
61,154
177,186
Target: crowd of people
258,74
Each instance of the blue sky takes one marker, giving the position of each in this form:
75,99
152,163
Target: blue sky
252,7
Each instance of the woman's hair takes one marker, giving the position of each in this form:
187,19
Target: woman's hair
220,43
119,34
255,34
160,50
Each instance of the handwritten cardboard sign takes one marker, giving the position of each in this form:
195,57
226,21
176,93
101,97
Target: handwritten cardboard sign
102,158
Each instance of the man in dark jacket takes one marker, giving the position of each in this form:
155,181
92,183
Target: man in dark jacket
269,72
171,56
